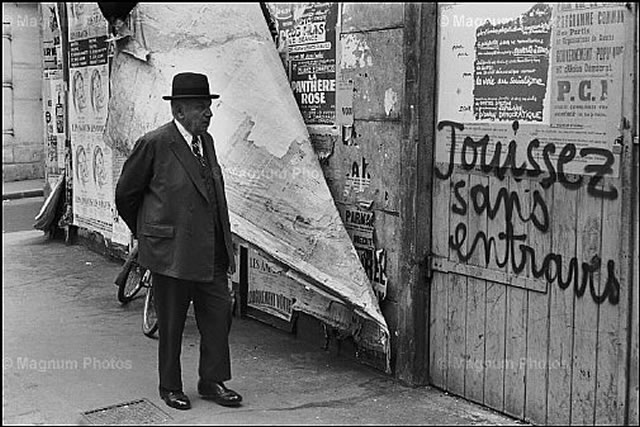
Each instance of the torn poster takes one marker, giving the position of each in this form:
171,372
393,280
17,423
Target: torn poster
278,197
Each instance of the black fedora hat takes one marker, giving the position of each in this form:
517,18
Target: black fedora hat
190,85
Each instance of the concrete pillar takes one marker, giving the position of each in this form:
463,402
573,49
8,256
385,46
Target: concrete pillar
7,83
22,147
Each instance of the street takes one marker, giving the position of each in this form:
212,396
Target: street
19,214
70,347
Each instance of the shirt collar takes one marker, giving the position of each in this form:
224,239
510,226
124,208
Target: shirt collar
184,132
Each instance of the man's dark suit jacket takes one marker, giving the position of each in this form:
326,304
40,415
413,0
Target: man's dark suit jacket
163,198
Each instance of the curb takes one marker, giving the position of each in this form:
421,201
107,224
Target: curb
23,194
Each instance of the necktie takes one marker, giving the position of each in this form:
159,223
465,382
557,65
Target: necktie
195,147
205,171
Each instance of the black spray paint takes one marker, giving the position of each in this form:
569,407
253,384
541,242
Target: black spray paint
551,266
474,153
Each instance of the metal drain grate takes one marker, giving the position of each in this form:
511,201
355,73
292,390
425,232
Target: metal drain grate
139,411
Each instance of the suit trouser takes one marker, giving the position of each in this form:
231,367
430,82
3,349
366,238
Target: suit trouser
212,307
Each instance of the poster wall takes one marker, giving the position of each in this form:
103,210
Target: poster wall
53,93
531,86
307,38
54,119
89,93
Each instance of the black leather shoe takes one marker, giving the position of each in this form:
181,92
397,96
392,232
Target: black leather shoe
219,394
176,399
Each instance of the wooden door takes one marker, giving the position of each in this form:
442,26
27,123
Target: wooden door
531,220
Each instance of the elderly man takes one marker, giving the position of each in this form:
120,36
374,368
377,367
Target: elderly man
171,195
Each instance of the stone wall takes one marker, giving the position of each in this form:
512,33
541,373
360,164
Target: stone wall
22,131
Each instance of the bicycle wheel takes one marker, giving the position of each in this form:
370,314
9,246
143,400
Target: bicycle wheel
149,317
128,288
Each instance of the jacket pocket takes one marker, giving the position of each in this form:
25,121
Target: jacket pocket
158,230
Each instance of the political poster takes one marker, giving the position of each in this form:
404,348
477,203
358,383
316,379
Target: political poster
532,86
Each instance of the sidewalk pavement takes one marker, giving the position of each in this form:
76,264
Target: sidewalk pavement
20,189
71,348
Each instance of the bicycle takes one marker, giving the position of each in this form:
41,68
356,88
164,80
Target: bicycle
131,279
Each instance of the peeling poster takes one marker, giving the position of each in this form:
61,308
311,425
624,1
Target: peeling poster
309,31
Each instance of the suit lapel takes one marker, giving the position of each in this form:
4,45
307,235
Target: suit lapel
188,160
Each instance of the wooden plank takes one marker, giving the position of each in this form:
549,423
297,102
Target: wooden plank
536,376
495,311
563,243
457,325
457,300
632,387
425,159
496,307
516,319
585,311
476,297
515,351
628,367
612,315
634,273
438,339
412,352
503,278
440,285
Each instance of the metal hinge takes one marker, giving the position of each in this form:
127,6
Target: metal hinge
428,269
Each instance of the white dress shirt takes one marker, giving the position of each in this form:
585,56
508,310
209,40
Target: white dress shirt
188,137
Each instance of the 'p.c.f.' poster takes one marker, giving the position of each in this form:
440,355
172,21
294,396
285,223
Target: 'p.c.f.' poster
531,79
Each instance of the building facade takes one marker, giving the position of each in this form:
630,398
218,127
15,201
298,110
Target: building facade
23,154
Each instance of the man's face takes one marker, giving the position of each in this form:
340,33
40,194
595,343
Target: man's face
196,115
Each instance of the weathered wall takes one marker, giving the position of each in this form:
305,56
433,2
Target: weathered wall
22,145
369,156
363,172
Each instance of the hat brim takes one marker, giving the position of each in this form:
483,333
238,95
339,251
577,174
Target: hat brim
211,96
